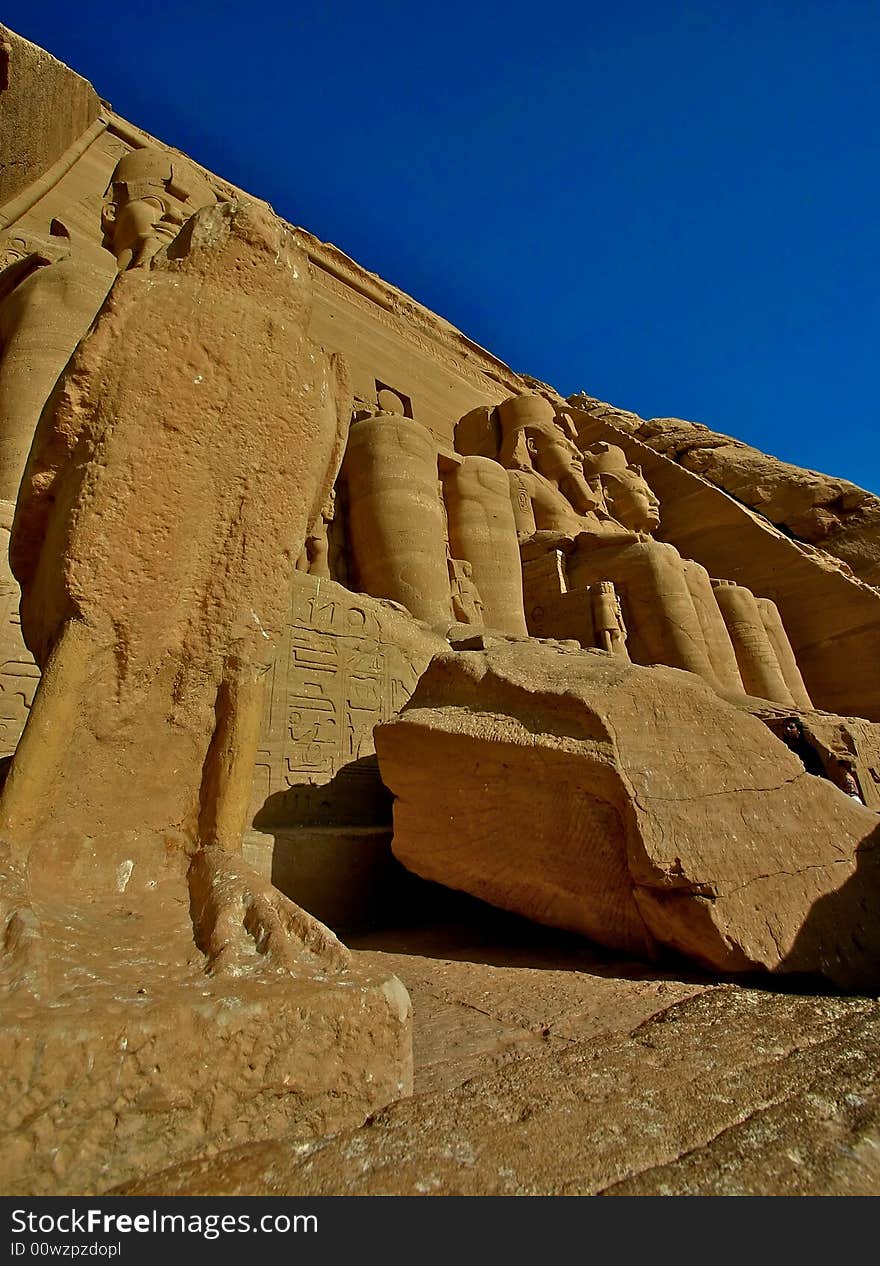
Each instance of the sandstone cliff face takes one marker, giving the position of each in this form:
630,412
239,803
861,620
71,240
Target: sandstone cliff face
162,1000
44,107
818,509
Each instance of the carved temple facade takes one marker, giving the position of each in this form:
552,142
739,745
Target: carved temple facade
468,496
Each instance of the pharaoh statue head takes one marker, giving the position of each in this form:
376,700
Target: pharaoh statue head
627,495
534,438
151,195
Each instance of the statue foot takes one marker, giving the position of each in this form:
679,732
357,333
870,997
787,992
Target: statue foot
242,924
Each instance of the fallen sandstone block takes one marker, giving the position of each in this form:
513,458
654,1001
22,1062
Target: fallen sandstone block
634,806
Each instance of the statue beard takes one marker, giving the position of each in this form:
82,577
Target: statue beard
579,493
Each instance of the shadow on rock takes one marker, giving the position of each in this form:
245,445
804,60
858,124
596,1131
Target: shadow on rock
842,929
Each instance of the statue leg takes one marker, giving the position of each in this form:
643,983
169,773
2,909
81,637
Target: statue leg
240,919
42,749
228,774
785,656
661,618
755,655
718,644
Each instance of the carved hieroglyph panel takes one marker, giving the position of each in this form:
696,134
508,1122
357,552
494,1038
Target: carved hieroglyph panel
337,674
19,674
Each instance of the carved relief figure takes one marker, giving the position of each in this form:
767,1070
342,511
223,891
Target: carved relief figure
467,606
315,556
608,621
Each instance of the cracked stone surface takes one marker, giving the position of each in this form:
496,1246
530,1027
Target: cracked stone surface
719,1090
469,1019
117,1064
634,806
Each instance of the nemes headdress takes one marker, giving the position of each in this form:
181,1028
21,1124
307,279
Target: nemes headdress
524,414
156,173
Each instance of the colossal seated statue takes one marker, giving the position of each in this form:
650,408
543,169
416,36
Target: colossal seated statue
151,195
162,459
482,531
395,516
52,286
50,290
592,515
429,529
461,538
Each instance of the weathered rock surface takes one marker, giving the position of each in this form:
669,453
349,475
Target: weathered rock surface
846,750
120,1052
834,514
158,995
732,1092
634,806
48,299
18,672
832,618
46,107
166,500
320,811
472,1016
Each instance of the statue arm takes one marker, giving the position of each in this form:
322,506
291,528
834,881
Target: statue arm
521,501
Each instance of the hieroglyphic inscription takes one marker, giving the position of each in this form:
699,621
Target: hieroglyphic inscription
335,677
19,674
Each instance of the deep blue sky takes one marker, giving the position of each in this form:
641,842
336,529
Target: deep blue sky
672,206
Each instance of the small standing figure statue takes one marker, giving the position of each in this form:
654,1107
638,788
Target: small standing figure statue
467,606
315,555
608,619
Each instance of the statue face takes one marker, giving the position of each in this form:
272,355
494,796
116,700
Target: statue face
152,193
554,456
136,228
632,502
